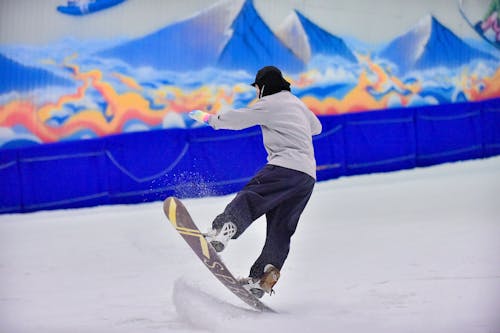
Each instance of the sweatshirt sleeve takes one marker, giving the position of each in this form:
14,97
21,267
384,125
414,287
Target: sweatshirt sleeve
237,119
316,126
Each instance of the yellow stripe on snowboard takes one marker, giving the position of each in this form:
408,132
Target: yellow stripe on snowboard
172,216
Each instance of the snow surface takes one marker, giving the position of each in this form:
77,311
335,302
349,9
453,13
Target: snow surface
410,251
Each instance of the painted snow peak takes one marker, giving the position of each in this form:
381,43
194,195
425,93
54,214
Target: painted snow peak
306,39
229,35
429,45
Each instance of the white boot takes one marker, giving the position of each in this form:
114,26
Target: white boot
219,238
253,286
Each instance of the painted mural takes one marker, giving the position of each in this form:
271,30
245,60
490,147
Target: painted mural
72,90
488,24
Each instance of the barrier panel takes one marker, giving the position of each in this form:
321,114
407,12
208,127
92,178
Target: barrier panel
448,133
380,141
490,123
148,166
10,182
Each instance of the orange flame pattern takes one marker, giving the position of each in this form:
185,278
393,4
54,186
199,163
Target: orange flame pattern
374,90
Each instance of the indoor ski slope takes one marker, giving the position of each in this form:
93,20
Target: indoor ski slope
410,251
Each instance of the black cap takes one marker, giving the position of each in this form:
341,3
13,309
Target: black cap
272,79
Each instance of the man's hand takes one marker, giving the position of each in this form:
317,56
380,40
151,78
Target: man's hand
200,116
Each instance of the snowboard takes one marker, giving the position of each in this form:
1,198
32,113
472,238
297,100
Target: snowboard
178,215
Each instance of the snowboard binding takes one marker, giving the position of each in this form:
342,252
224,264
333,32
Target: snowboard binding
219,238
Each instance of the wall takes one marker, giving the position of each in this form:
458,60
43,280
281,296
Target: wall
94,98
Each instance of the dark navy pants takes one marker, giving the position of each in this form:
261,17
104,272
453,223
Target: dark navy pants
279,193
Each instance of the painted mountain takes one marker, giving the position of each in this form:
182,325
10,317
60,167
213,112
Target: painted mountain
306,39
230,34
430,44
253,45
23,78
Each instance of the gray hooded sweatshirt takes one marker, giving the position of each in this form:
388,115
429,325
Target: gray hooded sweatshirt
287,129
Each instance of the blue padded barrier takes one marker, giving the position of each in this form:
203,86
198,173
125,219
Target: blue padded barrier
329,149
63,175
148,166
380,141
447,133
193,163
225,160
490,124
10,182
137,165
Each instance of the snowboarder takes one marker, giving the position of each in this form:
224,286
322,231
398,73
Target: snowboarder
282,188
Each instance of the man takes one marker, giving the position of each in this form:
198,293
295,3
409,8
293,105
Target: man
283,187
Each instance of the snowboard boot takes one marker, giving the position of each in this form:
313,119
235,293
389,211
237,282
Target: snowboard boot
219,238
265,284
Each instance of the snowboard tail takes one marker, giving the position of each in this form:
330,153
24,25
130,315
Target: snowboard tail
178,215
